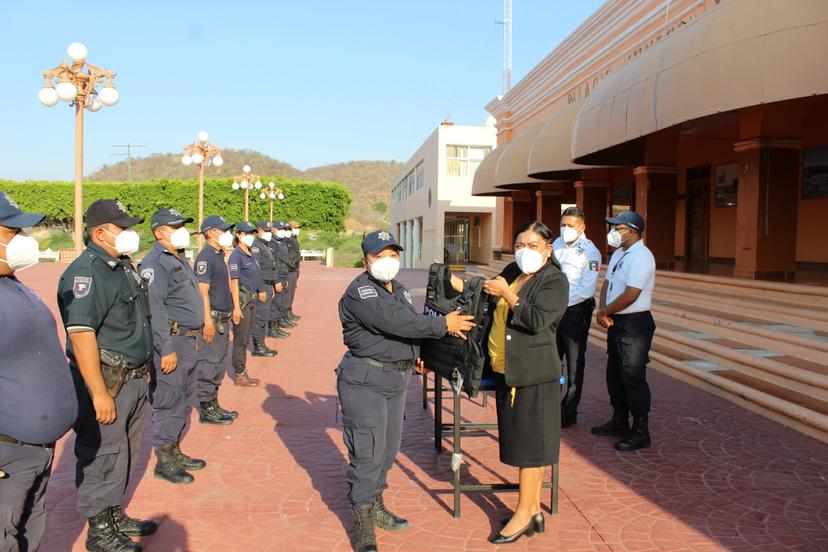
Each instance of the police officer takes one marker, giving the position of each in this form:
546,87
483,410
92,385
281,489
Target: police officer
580,261
281,253
36,406
213,280
177,315
381,329
103,304
244,287
267,282
294,262
626,296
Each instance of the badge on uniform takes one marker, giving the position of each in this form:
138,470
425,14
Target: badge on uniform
593,266
255,250
367,291
82,286
201,267
407,295
148,274
234,267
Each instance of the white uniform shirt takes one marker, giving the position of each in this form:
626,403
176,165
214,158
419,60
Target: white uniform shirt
634,267
580,261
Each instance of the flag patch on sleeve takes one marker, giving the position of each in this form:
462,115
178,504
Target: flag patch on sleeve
593,266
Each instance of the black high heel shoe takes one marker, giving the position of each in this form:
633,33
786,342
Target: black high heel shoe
537,520
529,530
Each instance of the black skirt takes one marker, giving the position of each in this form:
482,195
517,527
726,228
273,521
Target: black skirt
529,431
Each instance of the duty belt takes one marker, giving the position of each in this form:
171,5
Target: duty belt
269,282
175,329
396,366
135,373
221,316
11,441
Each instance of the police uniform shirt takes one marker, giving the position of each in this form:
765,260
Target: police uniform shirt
281,252
264,256
104,294
173,295
634,267
245,269
295,256
580,261
210,268
37,400
384,326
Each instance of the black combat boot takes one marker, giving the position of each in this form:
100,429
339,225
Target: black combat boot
275,331
261,350
364,538
285,323
211,415
293,317
104,537
232,414
619,426
130,526
187,462
168,468
386,520
637,438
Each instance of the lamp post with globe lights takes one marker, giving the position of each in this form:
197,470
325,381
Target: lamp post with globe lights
77,83
201,153
247,181
271,193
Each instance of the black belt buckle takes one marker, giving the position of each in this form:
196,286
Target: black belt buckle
135,373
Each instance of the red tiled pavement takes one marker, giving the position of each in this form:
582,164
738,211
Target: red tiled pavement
717,478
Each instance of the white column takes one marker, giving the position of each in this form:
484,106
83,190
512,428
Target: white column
415,251
409,226
404,242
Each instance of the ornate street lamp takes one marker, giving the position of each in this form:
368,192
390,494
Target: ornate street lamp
271,194
247,181
201,153
77,83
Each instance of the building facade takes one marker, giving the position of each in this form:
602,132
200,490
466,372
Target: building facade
433,212
708,117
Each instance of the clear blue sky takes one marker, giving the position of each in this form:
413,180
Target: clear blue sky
309,82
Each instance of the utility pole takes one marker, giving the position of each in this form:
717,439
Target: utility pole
507,45
128,155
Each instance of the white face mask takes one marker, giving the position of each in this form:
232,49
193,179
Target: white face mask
569,234
529,261
267,236
247,240
22,252
295,231
225,240
127,242
280,234
180,238
385,269
614,238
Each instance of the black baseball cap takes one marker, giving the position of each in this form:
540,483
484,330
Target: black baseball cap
245,226
110,211
12,217
628,218
375,242
263,225
215,221
168,217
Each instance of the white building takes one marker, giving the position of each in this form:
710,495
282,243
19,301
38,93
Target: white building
433,212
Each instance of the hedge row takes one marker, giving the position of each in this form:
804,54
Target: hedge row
317,205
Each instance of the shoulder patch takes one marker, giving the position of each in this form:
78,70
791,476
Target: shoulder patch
81,286
234,266
366,292
593,266
254,249
148,274
407,295
201,267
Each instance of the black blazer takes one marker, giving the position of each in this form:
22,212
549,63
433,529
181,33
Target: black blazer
531,329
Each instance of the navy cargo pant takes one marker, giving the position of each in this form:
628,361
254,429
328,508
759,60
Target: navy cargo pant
293,278
212,362
628,349
107,453
22,504
572,337
241,336
278,307
172,395
373,404
263,315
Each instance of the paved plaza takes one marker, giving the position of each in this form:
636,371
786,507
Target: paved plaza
717,477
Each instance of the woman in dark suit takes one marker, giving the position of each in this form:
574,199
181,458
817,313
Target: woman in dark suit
528,300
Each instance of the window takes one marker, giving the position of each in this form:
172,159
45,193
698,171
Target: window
815,173
409,184
464,160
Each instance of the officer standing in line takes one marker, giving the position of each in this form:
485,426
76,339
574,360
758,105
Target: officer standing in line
103,304
36,405
580,261
267,282
294,261
177,314
213,280
278,309
381,329
244,288
626,296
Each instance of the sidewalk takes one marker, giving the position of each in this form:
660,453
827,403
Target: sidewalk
717,477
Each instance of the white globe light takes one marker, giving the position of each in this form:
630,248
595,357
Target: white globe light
246,169
48,96
77,52
202,136
218,161
244,185
281,195
258,184
186,160
262,196
94,103
236,185
198,159
272,195
67,91
109,96
271,185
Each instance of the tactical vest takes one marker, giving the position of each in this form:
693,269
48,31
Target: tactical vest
459,361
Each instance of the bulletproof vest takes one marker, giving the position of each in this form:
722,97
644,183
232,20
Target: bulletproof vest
459,361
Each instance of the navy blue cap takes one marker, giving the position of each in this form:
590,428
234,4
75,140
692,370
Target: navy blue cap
12,217
263,225
628,218
375,242
110,211
280,225
168,217
215,221
245,226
